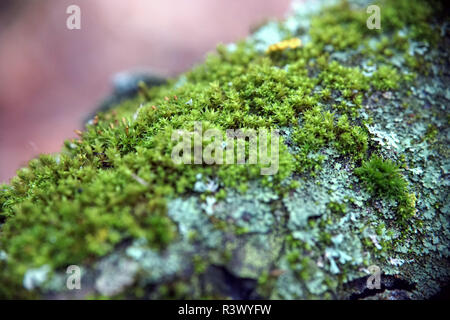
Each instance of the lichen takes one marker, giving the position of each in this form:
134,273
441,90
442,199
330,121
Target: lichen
362,179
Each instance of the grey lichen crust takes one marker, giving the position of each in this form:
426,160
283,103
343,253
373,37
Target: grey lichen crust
319,239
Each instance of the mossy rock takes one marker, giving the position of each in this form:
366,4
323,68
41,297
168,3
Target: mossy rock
362,179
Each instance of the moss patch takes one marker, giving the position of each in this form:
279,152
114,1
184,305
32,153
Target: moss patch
114,183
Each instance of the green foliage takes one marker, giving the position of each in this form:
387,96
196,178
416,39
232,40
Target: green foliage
113,183
383,179
320,129
351,140
418,16
339,26
339,77
337,208
431,133
385,78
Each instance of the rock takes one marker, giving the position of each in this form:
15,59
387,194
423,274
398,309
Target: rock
360,192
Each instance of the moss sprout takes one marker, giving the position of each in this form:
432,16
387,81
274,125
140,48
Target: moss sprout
383,179
115,181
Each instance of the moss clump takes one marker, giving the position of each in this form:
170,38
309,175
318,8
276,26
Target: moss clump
337,208
385,78
340,27
383,179
321,128
114,182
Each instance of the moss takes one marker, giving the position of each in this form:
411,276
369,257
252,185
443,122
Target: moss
383,179
200,264
385,78
118,181
418,17
339,26
431,133
337,208
320,129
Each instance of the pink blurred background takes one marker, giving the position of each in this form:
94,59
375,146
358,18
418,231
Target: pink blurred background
51,78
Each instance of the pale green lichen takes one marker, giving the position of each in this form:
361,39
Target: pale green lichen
349,98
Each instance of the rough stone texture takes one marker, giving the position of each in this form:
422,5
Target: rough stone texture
318,239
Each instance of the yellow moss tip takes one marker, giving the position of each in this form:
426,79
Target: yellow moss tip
285,44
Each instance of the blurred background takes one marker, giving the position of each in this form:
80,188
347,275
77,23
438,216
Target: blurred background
52,78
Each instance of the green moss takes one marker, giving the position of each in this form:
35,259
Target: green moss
114,182
320,129
418,17
337,208
200,264
385,78
383,179
431,133
339,26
